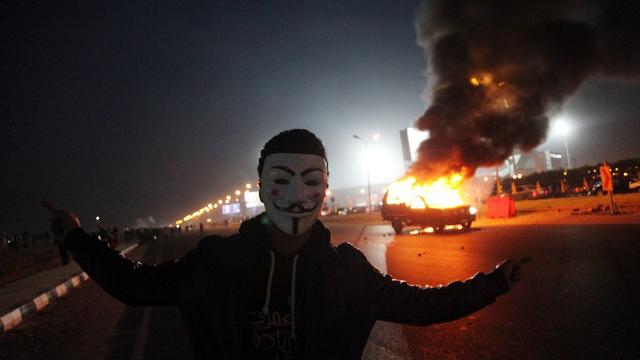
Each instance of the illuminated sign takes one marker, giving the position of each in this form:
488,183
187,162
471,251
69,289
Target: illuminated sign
230,209
410,140
252,199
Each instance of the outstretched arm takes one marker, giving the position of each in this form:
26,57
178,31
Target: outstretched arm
133,283
397,301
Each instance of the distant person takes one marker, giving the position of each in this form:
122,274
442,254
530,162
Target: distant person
278,289
113,239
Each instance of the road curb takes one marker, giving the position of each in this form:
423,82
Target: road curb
15,317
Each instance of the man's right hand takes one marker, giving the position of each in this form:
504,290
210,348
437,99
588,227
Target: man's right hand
62,221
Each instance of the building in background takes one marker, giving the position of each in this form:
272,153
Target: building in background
525,164
410,140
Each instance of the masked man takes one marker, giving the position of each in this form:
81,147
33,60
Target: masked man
278,288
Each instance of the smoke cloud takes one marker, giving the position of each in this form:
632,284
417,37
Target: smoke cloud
496,67
149,222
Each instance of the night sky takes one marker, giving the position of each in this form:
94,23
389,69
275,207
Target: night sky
135,109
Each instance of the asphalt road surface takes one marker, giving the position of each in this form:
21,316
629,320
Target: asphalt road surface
578,298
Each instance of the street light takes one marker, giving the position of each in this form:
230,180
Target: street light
366,152
562,127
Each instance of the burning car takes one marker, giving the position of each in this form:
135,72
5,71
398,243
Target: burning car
437,204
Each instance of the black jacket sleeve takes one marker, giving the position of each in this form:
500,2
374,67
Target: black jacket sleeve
133,283
397,301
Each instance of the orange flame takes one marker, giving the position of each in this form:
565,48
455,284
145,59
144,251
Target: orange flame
440,194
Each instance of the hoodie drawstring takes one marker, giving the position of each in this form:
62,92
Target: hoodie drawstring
265,308
293,296
294,269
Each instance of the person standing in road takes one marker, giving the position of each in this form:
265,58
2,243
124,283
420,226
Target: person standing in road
278,289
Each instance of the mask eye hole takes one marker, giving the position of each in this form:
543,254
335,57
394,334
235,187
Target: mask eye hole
311,182
281,181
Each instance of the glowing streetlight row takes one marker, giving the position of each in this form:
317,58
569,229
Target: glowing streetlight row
219,203
210,206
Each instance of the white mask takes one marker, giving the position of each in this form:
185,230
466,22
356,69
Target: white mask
293,190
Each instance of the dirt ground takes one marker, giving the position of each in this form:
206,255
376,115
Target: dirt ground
573,210
26,262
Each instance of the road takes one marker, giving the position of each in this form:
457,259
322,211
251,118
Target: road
577,298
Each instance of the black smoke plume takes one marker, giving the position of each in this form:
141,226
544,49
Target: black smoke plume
495,68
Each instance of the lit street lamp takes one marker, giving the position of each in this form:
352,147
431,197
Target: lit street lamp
562,127
366,152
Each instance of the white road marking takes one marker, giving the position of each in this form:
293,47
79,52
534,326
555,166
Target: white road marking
41,301
143,330
128,249
387,339
61,290
12,319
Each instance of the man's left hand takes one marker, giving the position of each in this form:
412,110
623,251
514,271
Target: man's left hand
512,268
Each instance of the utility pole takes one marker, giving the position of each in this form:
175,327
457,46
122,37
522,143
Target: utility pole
366,152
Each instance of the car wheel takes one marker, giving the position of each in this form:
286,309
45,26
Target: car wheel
467,225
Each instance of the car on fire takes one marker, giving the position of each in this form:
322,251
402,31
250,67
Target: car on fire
402,215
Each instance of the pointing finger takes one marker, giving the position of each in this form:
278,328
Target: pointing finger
47,205
524,260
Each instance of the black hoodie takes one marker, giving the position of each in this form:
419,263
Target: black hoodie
342,293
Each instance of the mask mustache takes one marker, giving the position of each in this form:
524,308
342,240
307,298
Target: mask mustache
293,206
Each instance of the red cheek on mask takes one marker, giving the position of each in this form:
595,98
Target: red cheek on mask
275,192
316,196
